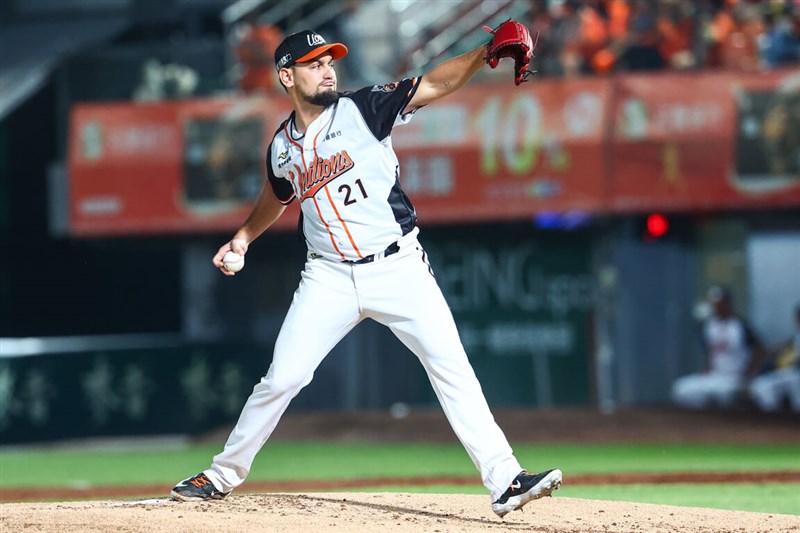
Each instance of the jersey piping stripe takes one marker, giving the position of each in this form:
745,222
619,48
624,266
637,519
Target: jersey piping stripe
316,205
302,156
290,200
289,138
333,205
413,86
320,131
330,233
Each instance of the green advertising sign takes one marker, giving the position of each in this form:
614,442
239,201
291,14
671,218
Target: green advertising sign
175,390
522,301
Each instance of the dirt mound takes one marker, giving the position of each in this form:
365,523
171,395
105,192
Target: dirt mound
379,512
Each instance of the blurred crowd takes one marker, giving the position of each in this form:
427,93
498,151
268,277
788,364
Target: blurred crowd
580,37
595,37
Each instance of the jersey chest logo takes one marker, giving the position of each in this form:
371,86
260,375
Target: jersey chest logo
320,172
284,159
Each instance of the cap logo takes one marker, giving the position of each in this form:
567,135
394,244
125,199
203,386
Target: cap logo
314,39
285,59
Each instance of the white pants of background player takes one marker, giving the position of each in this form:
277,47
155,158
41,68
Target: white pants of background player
769,390
400,292
698,391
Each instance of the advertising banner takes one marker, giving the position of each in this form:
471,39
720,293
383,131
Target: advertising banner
705,141
489,154
125,392
174,167
195,166
672,142
523,304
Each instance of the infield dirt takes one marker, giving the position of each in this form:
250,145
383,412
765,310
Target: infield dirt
416,513
379,512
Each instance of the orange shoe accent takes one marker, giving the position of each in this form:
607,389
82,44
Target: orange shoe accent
200,481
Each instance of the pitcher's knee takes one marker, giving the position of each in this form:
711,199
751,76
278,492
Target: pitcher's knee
280,383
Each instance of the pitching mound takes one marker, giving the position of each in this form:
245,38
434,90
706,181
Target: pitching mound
379,512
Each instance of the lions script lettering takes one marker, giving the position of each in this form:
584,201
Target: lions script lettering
320,172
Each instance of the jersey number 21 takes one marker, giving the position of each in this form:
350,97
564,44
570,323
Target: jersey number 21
348,192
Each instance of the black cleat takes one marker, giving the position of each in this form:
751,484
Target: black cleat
197,488
525,488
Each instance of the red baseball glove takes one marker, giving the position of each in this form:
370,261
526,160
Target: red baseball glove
511,39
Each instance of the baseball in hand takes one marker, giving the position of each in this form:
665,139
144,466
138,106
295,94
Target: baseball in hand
233,262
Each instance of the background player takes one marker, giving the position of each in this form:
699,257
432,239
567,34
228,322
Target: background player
734,355
334,155
781,384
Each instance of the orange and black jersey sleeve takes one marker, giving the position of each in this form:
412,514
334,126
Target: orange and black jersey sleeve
381,104
281,187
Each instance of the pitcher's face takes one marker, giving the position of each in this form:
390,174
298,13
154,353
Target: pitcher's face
315,81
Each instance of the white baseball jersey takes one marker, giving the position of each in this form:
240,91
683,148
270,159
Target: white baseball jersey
729,341
346,174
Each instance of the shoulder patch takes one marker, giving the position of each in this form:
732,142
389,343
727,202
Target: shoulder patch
387,88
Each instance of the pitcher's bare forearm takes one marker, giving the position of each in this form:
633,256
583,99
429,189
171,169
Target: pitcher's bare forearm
448,77
266,211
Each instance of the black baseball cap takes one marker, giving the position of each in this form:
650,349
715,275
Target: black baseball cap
304,46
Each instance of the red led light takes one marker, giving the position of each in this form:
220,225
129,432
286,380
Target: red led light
657,225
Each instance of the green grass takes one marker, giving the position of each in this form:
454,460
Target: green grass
603,458
758,497
285,460
761,498
326,461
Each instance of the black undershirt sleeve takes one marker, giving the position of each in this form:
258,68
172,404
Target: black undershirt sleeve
381,104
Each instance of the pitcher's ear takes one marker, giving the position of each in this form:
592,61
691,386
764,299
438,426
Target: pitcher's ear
286,76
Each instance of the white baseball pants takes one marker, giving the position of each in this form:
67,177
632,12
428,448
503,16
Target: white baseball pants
400,292
769,390
698,391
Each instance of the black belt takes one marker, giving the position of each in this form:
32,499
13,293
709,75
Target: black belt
391,249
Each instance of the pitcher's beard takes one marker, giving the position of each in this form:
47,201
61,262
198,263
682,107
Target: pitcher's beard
324,99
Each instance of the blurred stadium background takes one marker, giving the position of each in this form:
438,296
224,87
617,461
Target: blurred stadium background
574,222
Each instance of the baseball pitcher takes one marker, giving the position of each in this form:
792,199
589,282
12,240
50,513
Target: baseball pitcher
334,155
